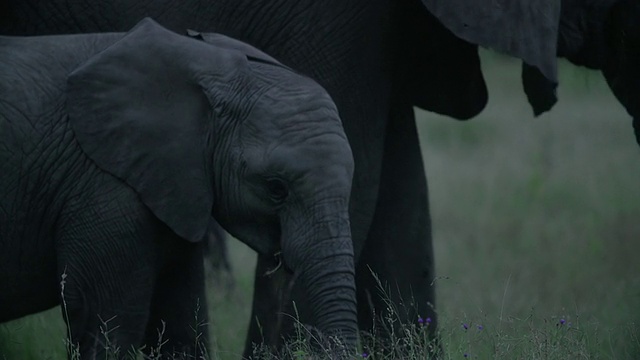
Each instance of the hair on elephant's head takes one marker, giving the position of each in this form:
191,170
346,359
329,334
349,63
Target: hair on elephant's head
198,128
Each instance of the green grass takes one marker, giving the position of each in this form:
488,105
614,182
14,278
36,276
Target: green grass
535,220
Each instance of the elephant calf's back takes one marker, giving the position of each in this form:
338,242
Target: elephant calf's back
41,165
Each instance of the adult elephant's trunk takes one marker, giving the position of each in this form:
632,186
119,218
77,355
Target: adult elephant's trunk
317,246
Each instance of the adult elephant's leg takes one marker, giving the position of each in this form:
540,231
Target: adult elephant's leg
399,247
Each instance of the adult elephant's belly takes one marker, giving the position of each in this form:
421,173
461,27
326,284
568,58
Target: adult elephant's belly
28,282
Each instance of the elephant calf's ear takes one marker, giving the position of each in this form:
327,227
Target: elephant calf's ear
138,112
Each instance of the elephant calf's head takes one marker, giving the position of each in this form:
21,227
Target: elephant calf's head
216,126
282,175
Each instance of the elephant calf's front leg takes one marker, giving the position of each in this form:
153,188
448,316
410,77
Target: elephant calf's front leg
105,301
177,325
107,256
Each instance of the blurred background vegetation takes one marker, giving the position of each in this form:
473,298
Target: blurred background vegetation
536,231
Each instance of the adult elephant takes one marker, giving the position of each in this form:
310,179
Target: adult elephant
377,59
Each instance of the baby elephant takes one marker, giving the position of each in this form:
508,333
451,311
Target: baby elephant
116,150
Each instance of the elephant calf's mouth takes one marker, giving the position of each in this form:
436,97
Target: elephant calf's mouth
278,263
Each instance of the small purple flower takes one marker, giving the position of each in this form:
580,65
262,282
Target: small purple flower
465,326
428,320
365,355
465,355
562,321
480,327
420,320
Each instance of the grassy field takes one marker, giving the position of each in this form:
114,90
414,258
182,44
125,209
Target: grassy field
536,228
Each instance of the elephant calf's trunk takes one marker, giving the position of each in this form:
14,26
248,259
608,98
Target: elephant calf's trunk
329,281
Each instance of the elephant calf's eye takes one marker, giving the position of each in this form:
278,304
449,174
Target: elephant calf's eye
278,190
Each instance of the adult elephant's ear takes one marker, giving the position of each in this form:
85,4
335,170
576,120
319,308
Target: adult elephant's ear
526,29
442,72
139,110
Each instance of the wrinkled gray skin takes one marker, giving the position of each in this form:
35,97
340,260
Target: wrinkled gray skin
377,59
116,151
598,34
